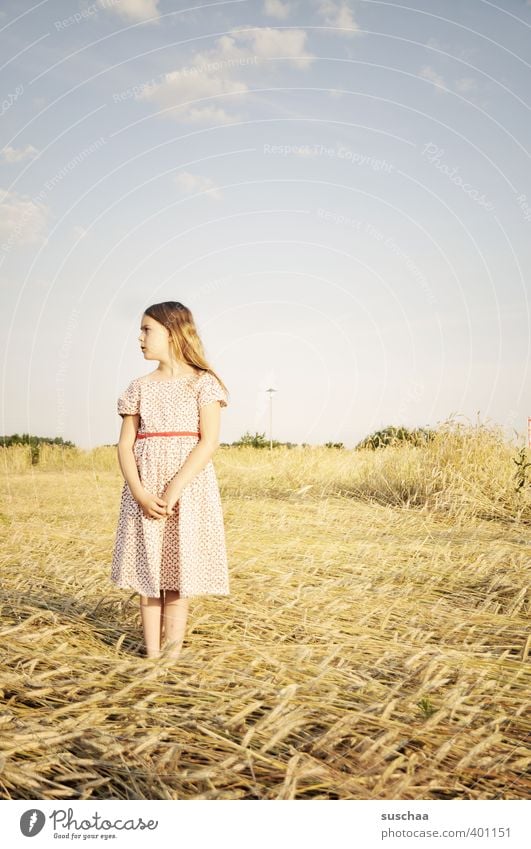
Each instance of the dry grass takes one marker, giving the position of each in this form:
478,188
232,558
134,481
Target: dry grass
375,646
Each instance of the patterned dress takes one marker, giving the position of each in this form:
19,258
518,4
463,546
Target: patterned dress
184,552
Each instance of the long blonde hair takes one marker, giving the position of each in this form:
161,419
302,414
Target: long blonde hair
184,338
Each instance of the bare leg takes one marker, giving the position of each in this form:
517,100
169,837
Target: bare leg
150,611
174,614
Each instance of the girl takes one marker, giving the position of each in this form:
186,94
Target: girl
170,540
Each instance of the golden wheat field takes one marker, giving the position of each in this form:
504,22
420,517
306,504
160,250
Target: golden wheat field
376,643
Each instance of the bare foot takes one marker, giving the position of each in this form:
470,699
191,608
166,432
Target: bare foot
173,650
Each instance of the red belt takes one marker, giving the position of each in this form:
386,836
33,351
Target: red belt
169,433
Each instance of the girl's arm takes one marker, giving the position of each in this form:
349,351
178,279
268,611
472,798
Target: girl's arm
152,506
126,458
201,454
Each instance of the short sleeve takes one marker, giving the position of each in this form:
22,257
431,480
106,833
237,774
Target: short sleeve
129,401
211,390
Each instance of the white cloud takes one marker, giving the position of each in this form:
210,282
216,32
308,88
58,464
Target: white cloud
452,49
277,9
213,73
338,14
270,43
17,154
192,183
132,10
429,73
465,84
462,85
182,89
22,221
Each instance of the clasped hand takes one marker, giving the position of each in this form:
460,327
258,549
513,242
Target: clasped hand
160,508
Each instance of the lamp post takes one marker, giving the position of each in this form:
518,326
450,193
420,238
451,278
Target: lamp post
271,417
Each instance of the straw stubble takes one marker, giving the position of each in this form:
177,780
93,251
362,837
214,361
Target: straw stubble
375,644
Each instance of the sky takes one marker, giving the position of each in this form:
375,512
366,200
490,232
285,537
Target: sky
340,192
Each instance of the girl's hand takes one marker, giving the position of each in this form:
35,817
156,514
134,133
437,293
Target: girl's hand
152,506
171,496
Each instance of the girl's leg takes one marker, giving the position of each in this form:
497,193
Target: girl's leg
175,613
150,611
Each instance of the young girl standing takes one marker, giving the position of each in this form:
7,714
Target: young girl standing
170,539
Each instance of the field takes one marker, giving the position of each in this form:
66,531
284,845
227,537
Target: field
376,643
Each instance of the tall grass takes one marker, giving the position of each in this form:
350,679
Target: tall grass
375,644
463,472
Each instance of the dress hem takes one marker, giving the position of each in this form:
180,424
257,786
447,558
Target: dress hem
168,589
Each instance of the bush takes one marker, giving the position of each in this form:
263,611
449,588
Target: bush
392,435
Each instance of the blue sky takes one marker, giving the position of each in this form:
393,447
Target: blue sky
339,191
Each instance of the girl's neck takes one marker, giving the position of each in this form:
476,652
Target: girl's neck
179,370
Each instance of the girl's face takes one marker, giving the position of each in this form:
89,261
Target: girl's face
154,339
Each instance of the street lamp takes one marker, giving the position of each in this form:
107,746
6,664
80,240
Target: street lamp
271,417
